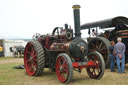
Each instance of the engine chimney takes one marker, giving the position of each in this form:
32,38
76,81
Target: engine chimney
76,9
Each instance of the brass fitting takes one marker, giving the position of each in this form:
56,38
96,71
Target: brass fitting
76,6
82,49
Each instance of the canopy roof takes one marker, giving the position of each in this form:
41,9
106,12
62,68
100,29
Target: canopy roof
107,23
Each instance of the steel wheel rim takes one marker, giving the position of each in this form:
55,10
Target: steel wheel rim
30,59
62,69
94,71
100,47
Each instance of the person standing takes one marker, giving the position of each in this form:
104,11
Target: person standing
119,49
93,33
1,51
112,56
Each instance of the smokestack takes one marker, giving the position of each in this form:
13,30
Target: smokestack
76,10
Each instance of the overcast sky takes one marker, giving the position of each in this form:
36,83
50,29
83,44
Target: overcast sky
23,18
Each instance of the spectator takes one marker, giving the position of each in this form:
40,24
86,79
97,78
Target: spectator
119,49
1,51
93,33
112,56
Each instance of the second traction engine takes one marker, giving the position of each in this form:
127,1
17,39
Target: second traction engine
62,53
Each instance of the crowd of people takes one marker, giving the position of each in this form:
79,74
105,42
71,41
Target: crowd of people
117,53
17,51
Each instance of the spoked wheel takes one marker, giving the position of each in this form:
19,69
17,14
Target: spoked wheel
64,68
101,45
97,71
36,36
34,58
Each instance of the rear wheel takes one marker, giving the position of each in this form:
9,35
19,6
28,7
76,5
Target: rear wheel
34,58
101,45
64,69
97,71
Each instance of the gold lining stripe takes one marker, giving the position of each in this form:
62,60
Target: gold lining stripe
76,7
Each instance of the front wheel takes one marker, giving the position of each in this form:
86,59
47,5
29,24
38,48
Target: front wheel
96,71
64,69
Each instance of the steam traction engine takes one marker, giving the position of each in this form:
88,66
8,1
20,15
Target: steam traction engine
113,28
63,53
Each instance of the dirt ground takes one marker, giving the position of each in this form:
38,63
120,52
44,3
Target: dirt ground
11,60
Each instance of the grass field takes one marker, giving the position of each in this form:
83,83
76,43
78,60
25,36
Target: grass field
10,76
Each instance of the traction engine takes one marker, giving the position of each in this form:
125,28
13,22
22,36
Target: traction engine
62,52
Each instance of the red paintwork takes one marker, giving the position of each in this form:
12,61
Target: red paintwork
30,59
90,63
47,42
61,69
124,33
94,71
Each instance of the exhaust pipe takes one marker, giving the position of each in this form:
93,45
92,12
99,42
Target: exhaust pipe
76,11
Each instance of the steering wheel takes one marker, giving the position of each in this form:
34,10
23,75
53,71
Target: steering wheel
36,36
56,31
